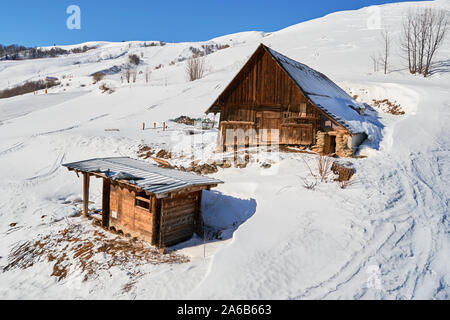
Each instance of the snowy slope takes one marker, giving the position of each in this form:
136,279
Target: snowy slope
290,242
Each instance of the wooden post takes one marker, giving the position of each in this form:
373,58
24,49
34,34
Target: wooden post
164,126
143,126
199,226
161,225
86,179
154,125
105,202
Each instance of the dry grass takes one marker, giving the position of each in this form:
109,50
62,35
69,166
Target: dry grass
105,89
97,77
321,174
345,184
388,106
75,249
324,166
145,151
27,87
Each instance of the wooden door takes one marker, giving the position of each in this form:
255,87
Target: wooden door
143,216
268,121
296,134
330,145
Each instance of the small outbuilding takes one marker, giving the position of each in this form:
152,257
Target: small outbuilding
161,206
276,100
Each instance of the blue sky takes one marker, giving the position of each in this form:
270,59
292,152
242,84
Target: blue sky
43,22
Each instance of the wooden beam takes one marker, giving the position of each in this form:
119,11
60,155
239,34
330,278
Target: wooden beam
86,181
143,199
106,202
238,122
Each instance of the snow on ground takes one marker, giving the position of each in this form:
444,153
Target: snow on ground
386,236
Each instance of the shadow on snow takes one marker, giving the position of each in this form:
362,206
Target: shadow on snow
222,216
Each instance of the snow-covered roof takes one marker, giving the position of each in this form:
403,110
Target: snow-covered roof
324,93
146,176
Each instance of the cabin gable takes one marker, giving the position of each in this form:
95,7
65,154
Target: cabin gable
261,83
266,95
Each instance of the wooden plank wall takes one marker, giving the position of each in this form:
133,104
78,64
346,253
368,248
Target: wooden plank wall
265,84
178,215
131,219
263,96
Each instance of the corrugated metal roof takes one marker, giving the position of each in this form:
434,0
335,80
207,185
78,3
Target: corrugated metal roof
146,176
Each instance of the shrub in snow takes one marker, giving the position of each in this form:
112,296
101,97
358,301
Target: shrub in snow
195,68
105,89
134,59
97,77
27,87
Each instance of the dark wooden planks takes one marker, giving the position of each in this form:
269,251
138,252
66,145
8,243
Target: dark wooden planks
86,182
106,195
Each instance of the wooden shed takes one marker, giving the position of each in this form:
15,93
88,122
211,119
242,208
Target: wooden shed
276,100
161,206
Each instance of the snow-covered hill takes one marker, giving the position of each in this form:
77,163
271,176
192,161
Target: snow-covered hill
282,241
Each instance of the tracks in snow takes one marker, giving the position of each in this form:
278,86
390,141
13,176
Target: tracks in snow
412,199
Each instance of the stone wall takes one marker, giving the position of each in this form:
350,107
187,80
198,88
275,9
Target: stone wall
320,142
343,143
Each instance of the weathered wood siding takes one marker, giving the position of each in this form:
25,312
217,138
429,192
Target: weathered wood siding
179,216
264,97
125,216
166,222
262,83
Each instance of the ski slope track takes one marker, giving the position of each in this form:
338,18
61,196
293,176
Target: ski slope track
387,236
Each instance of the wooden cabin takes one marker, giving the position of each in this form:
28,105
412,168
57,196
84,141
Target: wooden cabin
276,100
161,206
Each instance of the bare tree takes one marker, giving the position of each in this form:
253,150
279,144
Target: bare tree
437,31
147,75
374,59
127,74
387,41
134,75
407,41
195,67
424,32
